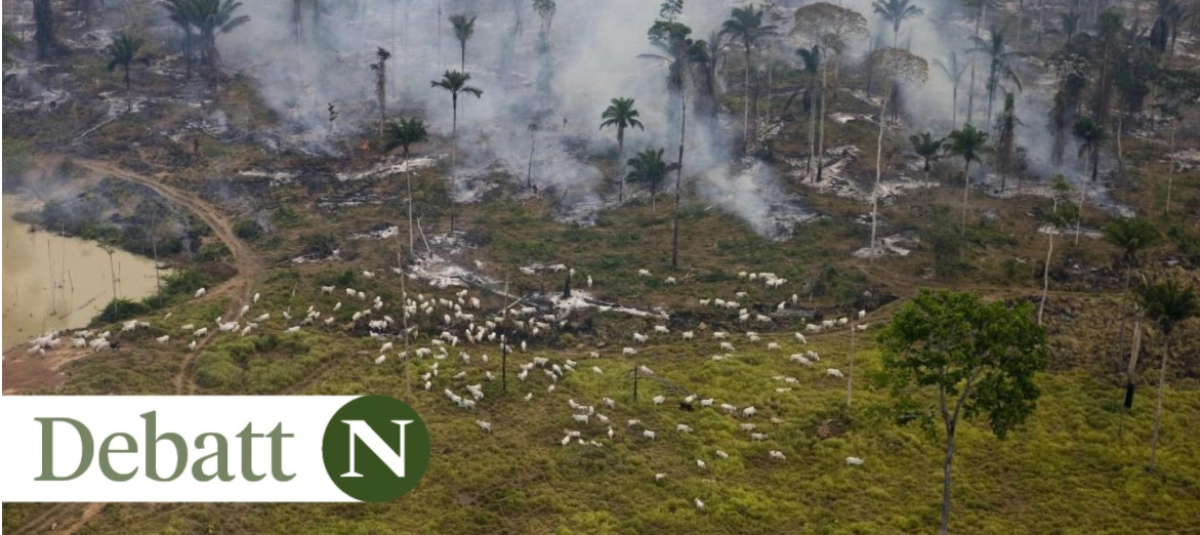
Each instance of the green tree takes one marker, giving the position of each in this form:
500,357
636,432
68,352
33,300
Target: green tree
455,82
649,167
926,147
896,12
464,28
1130,236
122,52
621,114
406,133
978,359
1168,304
970,144
1091,135
745,24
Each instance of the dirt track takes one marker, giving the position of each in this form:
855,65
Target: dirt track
25,374
249,269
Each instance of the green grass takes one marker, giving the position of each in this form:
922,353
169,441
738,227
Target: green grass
1074,468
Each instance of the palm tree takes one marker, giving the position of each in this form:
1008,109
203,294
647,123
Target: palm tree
926,147
648,166
622,115
678,50
1091,135
406,133
1130,236
970,144
181,13
1168,304
812,66
746,25
455,82
896,12
954,73
464,28
1000,64
212,17
122,53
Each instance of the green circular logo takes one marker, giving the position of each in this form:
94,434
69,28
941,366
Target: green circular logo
376,448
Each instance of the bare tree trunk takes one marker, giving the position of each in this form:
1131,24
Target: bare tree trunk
621,162
746,108
1079,217
678,185
878,170
1131,371
947,461
1046,274
821,133
850,378
812,134
1171,172
454,138
1162,380
966,196
411,235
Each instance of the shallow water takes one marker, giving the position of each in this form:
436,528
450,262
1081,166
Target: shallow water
52,282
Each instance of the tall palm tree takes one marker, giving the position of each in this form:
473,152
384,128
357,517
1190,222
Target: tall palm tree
926,147
896,12
1130,236
621,114
811,60
406,133
181,14
455,82
678,49
1000,64
746,25
1091,135
954,72
464,28
649,167
122,52
969,143
213,17
1168,304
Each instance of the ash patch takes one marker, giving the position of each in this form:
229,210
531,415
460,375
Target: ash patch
900,245
379,232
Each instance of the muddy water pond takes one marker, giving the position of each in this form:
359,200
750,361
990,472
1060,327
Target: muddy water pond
52,282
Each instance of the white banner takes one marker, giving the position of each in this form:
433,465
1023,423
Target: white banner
236,449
